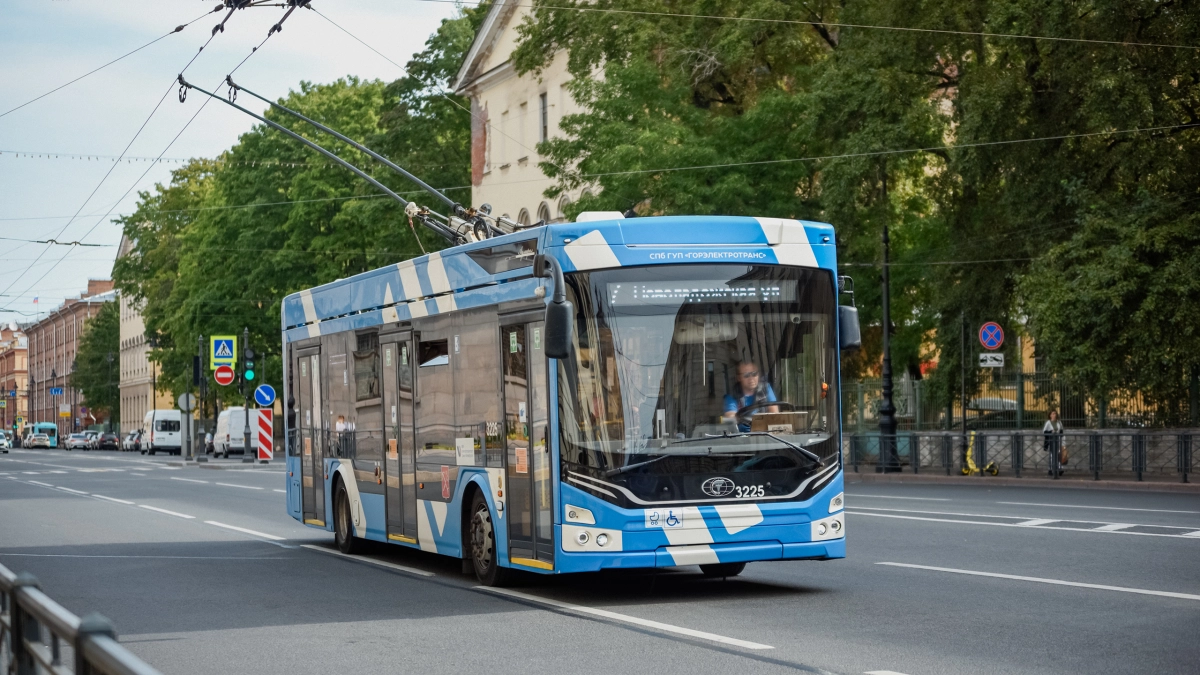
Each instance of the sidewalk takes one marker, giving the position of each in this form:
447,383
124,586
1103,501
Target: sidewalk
233,463
1078,481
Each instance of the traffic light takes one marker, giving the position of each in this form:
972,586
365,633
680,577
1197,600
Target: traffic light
249,365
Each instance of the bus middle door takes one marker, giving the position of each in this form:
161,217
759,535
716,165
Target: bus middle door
399,461
312,462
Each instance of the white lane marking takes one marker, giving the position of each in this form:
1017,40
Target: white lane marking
1083,506
380,563
625,618
167,557
1055,582
1023,518
920,499
1191,534
255,533
113,499
1029,527
169,513
244,487
142,475
39,483
882,672
1035,522
1113,527
189,480
67,489
283,491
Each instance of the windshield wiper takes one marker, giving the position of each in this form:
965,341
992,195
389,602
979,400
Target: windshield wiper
638,465
708,437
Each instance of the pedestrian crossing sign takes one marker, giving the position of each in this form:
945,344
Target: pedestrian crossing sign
222,351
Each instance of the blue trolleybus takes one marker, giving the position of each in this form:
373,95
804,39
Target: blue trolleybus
608,393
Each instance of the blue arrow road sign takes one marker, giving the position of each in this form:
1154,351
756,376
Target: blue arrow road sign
56,391
264,395
991,335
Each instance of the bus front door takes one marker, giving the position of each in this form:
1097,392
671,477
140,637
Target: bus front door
527,455
312,462
399,465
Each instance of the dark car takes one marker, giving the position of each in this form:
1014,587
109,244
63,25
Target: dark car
108,441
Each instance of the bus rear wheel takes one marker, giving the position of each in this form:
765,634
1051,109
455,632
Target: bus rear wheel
343,529
483,545
723,569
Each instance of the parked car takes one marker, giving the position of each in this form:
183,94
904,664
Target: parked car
77,442
108,441
4,443
127,442
39,441
231,434
91,439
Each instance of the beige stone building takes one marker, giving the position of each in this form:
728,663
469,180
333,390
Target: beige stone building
53,344
14,377
511,114
138,374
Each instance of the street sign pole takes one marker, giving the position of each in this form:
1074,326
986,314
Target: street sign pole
202,385
247,452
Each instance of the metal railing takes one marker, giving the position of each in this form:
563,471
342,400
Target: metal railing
37,635
1120,453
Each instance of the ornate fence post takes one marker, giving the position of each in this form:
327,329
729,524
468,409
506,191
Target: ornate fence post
1018,452
1183,453
1139,453
1095,454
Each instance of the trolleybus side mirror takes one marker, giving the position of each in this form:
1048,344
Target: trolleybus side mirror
560,314
849,332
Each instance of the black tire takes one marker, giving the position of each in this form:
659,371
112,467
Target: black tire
723,569
481,537
343,529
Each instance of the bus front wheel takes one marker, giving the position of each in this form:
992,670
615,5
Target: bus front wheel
343,530
483,545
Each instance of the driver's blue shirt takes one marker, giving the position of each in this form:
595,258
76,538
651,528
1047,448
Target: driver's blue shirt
734,404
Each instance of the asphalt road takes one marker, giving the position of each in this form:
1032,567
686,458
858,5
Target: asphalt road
938,579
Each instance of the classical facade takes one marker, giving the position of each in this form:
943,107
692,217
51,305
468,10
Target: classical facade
138,374
510,115
14,377
53,344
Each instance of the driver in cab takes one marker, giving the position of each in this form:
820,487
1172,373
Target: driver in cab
751,388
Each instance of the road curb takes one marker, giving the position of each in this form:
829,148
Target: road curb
1073,484
230,467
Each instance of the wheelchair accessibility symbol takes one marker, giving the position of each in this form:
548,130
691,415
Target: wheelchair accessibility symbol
664,518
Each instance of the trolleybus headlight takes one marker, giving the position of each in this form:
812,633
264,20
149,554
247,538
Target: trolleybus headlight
821,529
582,538
601,539
836,525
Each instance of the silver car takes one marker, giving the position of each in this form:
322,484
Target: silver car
39,441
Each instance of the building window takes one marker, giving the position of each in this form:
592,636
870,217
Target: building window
544,212
523,217
543,118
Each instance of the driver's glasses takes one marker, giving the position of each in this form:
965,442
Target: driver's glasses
750,374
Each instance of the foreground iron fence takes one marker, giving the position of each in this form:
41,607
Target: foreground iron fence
1156,453
37,635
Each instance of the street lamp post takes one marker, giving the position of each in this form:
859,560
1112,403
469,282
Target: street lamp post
109,357
889,461
74,396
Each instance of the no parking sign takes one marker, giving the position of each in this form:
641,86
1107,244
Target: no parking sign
991,335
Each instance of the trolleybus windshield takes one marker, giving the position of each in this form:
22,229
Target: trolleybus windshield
680,372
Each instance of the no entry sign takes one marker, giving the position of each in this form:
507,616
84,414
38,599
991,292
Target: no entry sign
223,375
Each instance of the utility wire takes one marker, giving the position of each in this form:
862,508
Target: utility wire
131,188
91,72
824,24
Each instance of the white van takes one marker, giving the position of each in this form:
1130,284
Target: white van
231,433
161,432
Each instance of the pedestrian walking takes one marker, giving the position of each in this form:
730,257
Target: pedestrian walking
1052,431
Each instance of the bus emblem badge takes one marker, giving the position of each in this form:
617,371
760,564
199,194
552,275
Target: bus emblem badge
717,487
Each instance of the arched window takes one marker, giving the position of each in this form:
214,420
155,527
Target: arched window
544,213
562,206
523,217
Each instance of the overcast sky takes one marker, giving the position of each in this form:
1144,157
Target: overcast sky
45,43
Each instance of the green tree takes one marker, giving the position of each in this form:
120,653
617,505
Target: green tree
97,372
220,247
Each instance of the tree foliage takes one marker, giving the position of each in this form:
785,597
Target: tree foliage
217,249
1035,181
97,371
